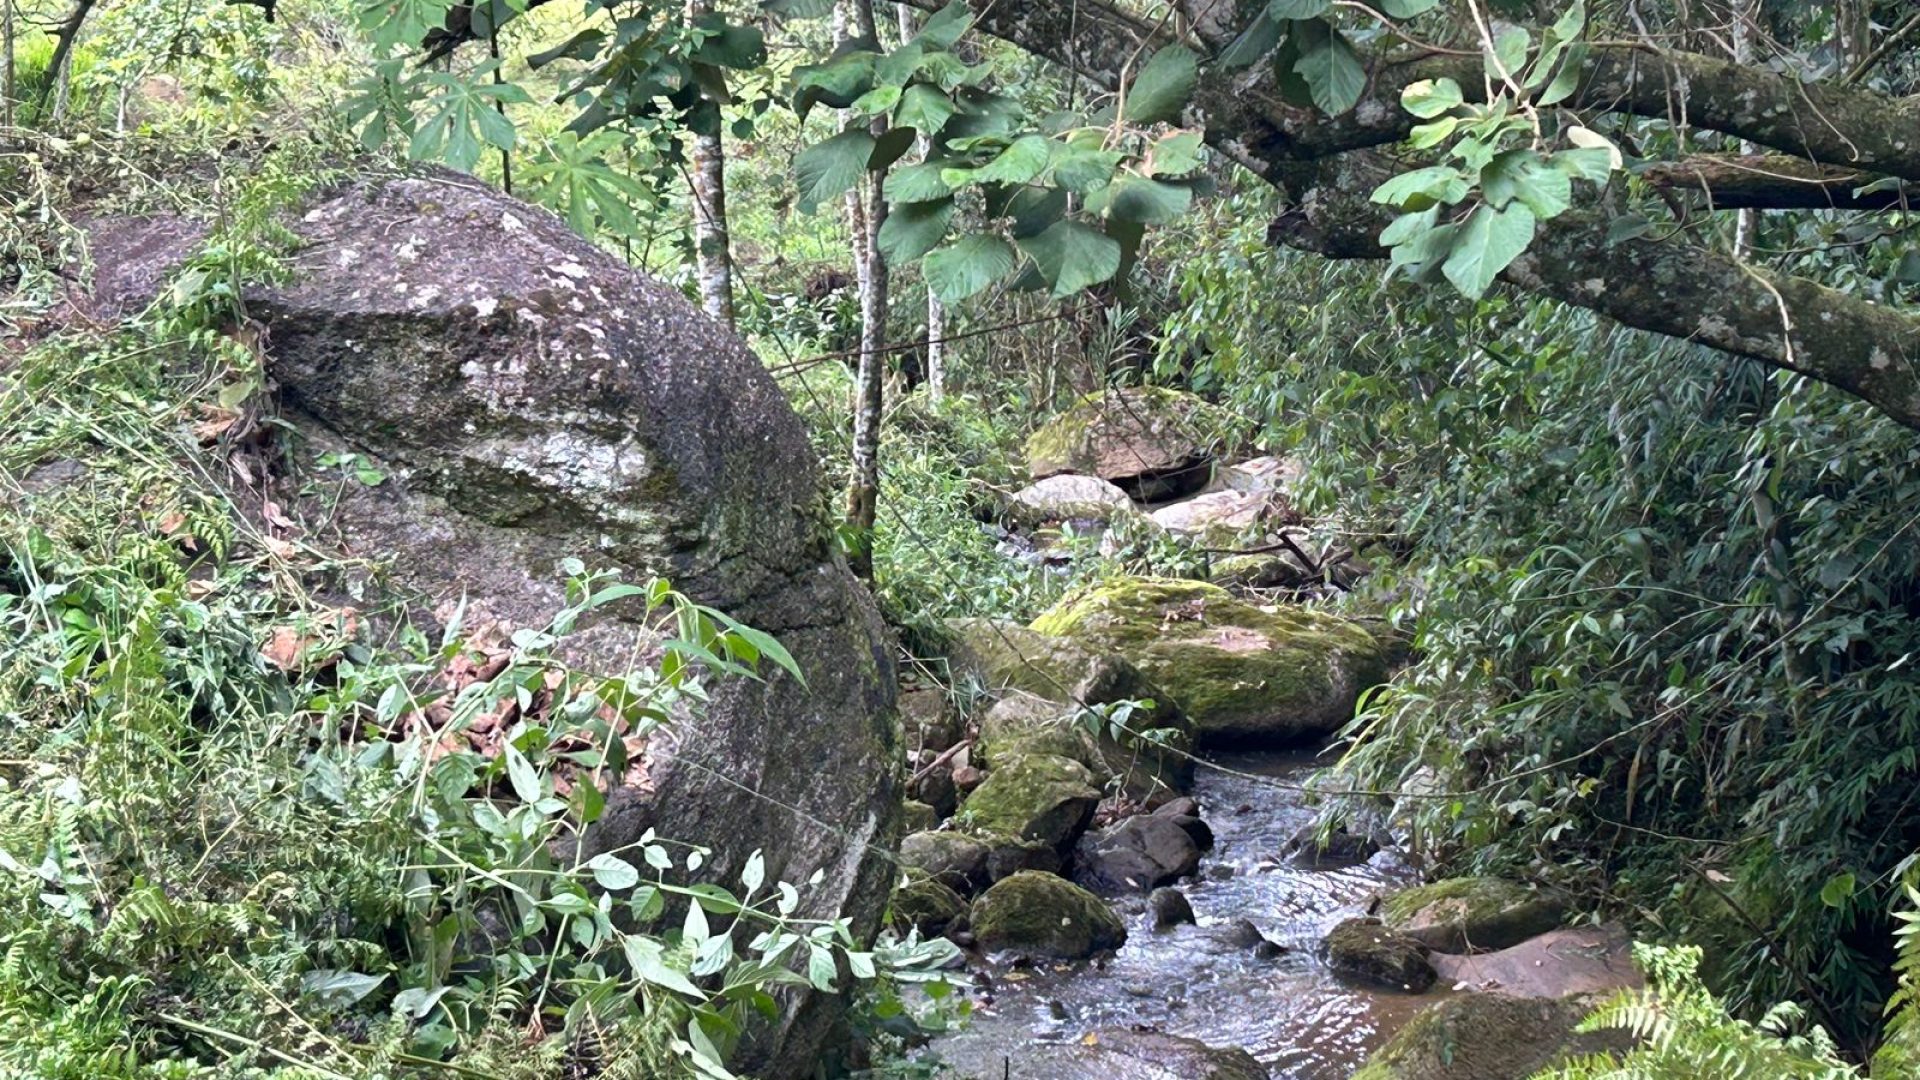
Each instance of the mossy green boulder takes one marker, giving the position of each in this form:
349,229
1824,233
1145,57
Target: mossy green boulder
955,859
1042,798
1240,673
926,905
1488,1037
1153,442
1037,914
1022,724
1473,914
1368,952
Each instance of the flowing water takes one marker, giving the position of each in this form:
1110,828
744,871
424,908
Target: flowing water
1289,1011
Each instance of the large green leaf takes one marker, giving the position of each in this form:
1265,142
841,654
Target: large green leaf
966,266
1083,169
1020,162
917,183
1034,209
1072,256
1523,175
1485,244
1406,9
924,109
1298,9
826,169
1429,98
1163,85
402,23
1329,65
1254,42
913,229
462,117
1421,188
1137,199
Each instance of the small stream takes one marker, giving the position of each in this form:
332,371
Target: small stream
1288,1011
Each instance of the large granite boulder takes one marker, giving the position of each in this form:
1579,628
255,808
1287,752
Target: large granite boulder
531,400
1240,673
1473,914
1152,442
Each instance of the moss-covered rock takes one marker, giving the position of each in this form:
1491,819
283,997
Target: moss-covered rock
929,720
926,905
1265,570
1037,914
955,859
1240,673
1366,951
1067,497
1042,797
1473,914
1487,1037
1153,442
916,816
1022,725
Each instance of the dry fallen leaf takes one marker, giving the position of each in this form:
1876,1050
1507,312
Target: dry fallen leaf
283,649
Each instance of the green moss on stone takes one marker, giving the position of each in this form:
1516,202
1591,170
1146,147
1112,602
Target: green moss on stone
1239,672
1487,1037
925,905
1039,914
1472,913
1042,797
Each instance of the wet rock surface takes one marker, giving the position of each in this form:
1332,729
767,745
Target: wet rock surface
1488,1037
1136,855
1473,914
1040,915
1365,950
1115,1054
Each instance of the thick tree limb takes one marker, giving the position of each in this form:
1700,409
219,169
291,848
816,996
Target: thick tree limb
1838,125
1671,288
1776,182
1325,166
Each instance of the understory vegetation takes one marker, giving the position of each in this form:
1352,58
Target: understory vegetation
1657,598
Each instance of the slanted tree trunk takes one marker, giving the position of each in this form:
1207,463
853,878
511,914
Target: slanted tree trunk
863,494
936,314
713,248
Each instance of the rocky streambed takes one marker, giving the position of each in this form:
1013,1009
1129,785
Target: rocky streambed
1247,974
1114,826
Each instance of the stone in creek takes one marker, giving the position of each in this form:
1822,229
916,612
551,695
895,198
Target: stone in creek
1170,908
1366,951
1137,854
1340,848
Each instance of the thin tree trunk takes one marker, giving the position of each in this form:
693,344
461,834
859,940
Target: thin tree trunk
863,494
7,89
936,314
1744,221
856,205
713,248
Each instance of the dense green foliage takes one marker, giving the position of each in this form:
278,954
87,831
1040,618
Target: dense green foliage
1664,606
